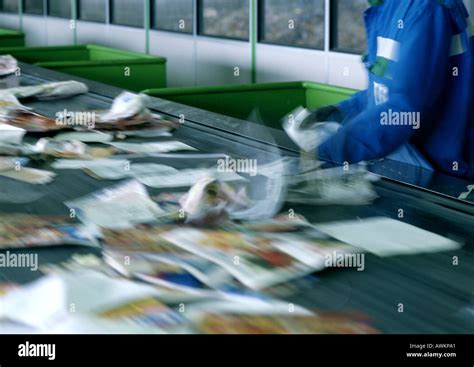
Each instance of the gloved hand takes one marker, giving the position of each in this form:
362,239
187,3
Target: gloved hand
308,138
323,114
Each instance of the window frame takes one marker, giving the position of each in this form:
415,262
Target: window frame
48,12
261,31
78,12
200,22
153,22
333,32
111,17
23,4
2,10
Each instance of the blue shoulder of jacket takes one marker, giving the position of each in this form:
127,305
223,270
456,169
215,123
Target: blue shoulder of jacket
454,9
424,4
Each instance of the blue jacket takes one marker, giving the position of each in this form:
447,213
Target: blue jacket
421,69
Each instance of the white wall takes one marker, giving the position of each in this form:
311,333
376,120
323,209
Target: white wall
217,60
180,51
127,38
58,31
35,29
9,21
90,32
276,63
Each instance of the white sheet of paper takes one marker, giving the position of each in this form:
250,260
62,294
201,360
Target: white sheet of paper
11,134
85,137
115,172
387,237
38,304
150,148
53,295
147,133
92,164
30,175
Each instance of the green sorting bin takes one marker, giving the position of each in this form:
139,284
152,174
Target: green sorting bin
11,38
124,69
261,103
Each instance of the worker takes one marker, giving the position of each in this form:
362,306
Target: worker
419,106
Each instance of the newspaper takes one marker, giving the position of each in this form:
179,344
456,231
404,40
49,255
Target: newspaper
250,259
149,311
22,230
120,206
184,272
143,238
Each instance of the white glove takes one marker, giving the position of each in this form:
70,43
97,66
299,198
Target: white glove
308,139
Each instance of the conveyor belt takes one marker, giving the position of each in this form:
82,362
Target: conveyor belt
434,292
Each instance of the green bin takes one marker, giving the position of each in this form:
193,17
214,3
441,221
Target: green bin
124,69
11,38
261,103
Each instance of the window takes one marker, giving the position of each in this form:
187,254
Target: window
294,23
348,29
9,6
59,8
35,7
229,18
173,15
128,12
92,10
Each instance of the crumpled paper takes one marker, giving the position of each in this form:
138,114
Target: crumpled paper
46,91
129,110
8,65
210,202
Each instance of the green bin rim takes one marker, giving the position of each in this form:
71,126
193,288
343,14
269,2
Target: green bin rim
70,64
5,32
139,57
246,88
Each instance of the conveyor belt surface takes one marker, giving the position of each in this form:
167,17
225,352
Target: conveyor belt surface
435,293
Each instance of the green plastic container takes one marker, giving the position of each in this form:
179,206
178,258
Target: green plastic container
124,69
260,103
11,38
